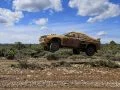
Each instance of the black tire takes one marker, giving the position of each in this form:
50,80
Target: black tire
54,46
76,51
90,50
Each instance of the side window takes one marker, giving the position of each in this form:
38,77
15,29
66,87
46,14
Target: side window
70,35
75,35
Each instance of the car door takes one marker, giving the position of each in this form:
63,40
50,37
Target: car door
71,41
68,41
75,43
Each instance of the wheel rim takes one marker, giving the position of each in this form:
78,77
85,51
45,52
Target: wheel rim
54,47
90,51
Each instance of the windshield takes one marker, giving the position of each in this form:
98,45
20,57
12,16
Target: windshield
67,34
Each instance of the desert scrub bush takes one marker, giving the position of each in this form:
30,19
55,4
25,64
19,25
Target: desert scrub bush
51,56
108,51
116,57
76,57
34,51
2,52
19,45
24,64
104,63
27,52
39,54
10,54
38,48
61,64
64,53
19,55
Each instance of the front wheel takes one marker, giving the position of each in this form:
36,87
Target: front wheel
90,51
54,46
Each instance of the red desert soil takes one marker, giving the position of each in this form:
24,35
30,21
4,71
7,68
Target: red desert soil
76,76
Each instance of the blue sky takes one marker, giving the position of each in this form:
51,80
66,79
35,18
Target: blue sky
27,20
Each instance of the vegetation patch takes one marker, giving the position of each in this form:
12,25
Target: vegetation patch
105,63
24,64
18,51
61,64
64,53
52,56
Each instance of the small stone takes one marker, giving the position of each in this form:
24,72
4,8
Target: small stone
28,76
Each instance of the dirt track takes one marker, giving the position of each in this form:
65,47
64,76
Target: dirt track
76,76
60,89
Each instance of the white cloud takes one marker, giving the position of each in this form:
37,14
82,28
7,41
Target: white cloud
41,21
15,37
25,34
44,28
98,10
37,5
101,33
56,5
7,17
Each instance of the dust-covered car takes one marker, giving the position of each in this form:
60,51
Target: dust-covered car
75,40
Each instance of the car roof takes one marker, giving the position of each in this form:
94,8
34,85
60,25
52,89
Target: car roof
79,34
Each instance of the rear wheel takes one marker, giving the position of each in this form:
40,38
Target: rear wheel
76,51
54,46
90,50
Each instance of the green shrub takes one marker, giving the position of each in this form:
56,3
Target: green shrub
2,52
39,54
64,53
14,66
19,55
108,51
112,43
19,45
76,57
52,56
104,63
61,64
37,48
10,54
28,52
24,64
116,57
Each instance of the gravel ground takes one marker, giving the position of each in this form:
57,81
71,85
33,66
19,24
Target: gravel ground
60,89
75,76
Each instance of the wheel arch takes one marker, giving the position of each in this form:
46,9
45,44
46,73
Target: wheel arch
56,39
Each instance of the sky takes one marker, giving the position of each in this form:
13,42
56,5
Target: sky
26,20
